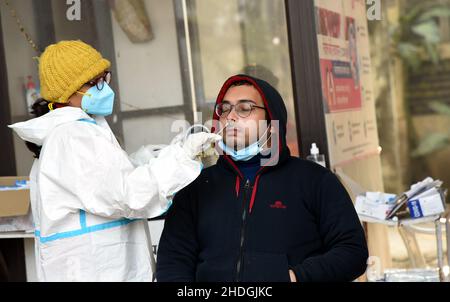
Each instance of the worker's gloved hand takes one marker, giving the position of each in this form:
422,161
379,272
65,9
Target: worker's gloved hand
145,153
197,143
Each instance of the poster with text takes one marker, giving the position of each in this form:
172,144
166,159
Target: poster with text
344,54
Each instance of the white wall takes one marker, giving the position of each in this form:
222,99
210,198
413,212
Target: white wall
149,73
148,130
149,76
19,64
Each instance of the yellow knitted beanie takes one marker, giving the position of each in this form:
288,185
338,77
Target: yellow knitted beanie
65,66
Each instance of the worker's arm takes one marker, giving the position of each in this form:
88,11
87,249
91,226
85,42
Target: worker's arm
99,177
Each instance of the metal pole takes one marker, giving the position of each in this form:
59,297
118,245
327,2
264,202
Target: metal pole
447,240
150,248
440,254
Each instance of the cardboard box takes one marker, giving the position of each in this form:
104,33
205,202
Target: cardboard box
426,204
375,209
15,202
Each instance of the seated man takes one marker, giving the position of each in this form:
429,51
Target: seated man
255,217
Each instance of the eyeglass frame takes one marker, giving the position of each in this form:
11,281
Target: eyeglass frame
103,77
249,102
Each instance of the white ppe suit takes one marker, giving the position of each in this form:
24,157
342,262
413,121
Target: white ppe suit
90,203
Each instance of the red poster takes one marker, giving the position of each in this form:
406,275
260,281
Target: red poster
340,86
339,65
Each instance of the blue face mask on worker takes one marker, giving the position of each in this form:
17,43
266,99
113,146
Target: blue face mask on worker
246,153
98,102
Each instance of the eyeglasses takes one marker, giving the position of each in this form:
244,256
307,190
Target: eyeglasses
243,109
100,81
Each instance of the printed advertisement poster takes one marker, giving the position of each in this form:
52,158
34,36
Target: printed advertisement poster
344,54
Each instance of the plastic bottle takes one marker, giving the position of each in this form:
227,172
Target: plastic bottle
32,94
315,156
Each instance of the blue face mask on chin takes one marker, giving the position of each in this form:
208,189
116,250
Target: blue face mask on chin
98,102
246,153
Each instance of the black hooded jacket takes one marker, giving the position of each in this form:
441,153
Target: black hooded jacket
295,215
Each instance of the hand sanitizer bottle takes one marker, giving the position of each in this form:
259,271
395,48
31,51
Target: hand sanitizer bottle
32,94
315,156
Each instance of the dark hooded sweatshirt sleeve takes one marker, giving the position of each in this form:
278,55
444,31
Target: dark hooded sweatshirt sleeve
178,247
343,237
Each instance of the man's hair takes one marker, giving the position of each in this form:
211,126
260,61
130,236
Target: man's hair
241,83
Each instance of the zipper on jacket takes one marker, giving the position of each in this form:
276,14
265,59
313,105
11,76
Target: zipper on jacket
242,238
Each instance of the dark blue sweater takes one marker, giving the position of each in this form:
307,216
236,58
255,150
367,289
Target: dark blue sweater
250,167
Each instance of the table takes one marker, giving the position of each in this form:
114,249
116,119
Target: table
411,224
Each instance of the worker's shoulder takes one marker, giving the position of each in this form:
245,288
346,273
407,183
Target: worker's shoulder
70,130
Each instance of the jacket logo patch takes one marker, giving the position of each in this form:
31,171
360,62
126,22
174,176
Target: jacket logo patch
278,205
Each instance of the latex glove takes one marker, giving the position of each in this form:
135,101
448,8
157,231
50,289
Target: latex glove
145,154
197,143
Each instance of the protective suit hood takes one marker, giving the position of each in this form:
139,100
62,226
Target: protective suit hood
37,129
